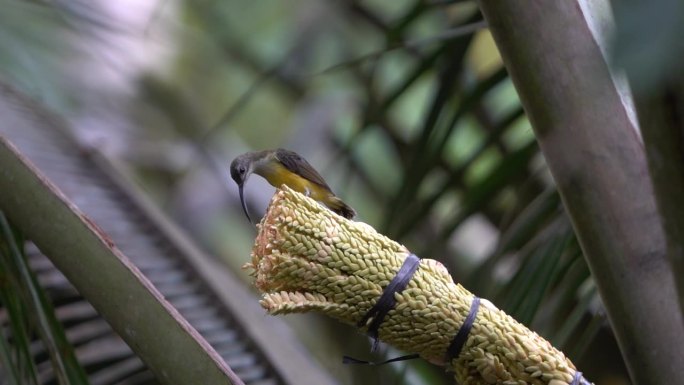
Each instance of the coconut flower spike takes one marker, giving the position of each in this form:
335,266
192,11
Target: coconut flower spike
306,258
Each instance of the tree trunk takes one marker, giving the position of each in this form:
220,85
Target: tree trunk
599,165
661,117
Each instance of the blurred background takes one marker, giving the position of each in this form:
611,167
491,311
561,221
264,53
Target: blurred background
404,107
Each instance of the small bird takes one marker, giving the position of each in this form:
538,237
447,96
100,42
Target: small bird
284,167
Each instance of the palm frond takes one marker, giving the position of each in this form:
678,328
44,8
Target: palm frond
37,313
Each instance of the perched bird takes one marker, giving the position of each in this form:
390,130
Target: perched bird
284,167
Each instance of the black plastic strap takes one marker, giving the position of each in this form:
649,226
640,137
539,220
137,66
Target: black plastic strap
352,360
386,301
461,336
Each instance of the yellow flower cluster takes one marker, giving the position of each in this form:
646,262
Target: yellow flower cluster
306,258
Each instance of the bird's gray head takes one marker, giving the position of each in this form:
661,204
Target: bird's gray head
240,169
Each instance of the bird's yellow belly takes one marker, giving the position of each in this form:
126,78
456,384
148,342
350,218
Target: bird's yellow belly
279,176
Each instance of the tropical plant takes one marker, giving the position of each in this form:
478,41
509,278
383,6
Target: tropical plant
405,107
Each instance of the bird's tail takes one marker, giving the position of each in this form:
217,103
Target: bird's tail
338,206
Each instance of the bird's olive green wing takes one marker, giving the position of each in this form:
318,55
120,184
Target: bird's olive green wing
298,165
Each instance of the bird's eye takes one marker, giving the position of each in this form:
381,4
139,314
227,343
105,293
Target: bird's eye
242,169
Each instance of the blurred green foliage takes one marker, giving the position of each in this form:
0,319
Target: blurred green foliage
648,42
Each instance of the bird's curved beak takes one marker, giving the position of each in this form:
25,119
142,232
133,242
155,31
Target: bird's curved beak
244,205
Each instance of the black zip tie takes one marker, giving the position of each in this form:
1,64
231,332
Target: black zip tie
462,335
351,360
387,300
